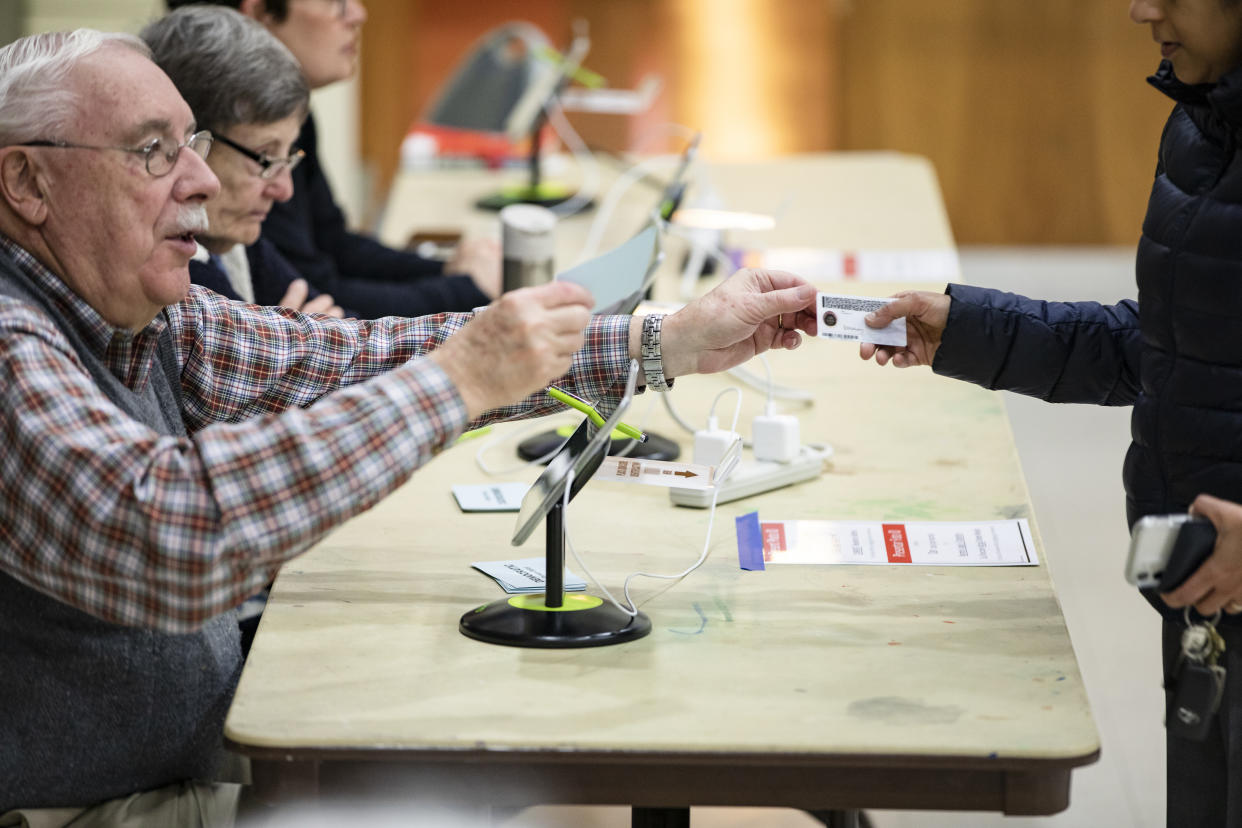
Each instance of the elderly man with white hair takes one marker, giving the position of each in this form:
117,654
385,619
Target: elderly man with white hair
166,450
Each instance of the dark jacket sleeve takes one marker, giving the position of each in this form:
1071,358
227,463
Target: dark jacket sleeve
1077,352
310,233
271,274
212,278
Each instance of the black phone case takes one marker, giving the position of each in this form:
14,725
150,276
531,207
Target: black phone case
1195,540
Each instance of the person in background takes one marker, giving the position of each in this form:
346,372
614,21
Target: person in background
212,55
167,450
1175,355
310,230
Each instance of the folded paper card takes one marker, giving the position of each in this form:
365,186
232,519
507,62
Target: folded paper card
524,575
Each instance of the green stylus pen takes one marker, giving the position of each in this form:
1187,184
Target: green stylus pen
593,415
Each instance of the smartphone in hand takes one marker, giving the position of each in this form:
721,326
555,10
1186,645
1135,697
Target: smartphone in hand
1166,549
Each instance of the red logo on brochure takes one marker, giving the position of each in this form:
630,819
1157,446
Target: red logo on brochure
896,542
849,265
773,538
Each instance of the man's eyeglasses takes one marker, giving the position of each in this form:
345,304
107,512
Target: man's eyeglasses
270,166
340,7
160,154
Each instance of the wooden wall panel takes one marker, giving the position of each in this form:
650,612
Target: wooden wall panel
1036,115
701,49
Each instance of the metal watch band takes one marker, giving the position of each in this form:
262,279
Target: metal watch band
653,359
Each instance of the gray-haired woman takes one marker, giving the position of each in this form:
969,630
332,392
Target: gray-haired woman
246,88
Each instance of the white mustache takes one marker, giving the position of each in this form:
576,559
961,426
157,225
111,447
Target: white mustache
191,218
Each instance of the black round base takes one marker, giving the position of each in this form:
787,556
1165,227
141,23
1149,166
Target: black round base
656,447
523,621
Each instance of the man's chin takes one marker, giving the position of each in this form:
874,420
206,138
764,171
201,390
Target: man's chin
169,287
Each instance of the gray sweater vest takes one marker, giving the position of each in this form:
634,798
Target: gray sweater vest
91,710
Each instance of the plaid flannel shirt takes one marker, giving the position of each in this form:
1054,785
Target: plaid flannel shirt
296,423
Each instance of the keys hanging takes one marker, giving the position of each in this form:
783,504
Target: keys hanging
1198,681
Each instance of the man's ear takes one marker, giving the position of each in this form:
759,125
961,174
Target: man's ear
256,9
21,186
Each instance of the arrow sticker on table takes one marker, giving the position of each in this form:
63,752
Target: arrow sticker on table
656,473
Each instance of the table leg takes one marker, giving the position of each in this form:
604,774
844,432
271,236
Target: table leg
842,819
275,782
660,818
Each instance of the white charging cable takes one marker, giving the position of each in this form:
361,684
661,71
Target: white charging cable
504,439
609,205
737,408
631,608
586,161
633,174
723,471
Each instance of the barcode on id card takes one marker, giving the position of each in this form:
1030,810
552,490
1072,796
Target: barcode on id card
850,303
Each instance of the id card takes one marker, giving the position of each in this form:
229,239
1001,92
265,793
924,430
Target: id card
841,317
490,497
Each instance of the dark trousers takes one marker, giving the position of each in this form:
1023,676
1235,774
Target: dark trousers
1205,778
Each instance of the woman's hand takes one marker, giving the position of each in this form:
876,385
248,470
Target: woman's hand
926,313
295,299
480,260
1217,584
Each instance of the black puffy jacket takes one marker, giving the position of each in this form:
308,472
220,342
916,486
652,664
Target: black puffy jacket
1176,355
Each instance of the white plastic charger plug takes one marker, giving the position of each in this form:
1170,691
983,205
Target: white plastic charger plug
775,437
711,443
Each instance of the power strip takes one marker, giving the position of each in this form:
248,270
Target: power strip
753,477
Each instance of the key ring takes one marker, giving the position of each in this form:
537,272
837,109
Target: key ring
1212,623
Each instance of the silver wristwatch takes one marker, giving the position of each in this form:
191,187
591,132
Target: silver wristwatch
653,359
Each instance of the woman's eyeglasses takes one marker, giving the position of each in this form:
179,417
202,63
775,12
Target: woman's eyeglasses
270,167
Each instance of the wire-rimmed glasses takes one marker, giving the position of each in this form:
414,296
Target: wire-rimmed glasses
159,154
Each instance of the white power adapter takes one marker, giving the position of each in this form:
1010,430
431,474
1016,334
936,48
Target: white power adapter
776,437
710,444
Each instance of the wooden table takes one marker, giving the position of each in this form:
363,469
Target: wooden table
832,687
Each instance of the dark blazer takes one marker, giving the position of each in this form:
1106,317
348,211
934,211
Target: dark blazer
1176,354
270,276
309,231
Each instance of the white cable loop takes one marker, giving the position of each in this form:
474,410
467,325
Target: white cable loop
501,439
586,162
632,608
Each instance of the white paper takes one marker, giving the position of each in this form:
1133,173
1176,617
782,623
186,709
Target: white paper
936,543
490,497
842,317
524,576
615,279
656,473
926,265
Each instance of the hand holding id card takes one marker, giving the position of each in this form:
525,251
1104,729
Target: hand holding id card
841,317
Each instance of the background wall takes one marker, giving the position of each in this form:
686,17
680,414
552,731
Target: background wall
1036,115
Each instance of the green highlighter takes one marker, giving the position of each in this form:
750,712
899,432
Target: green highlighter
594,416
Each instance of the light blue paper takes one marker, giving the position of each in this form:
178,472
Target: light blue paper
617,278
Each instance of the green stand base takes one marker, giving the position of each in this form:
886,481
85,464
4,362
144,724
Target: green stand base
524,621
545,195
